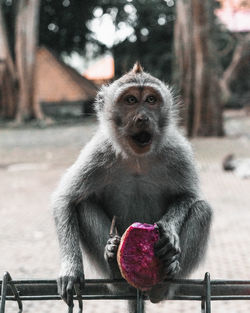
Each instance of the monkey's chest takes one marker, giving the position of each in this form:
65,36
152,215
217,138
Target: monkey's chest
134,200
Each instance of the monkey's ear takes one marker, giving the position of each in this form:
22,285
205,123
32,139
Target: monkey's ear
137,68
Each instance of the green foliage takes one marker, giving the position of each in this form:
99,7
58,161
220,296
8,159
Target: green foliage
152,38
64,28
63,25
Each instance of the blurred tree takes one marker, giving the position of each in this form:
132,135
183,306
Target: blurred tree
151,34
7,74
197,67
63,24
26,31
17,62
233,46
62,28
234,81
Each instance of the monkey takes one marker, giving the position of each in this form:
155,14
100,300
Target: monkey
228,163
139,167
240,166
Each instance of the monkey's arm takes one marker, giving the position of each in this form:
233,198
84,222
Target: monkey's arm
82,180
168,247
74,188
64,202
184,203
183,241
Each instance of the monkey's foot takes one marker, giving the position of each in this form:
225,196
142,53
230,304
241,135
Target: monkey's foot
111,248
168,250
66,286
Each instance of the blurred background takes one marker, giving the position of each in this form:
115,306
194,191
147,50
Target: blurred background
55,55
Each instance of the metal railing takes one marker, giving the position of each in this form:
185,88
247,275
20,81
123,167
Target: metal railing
205,291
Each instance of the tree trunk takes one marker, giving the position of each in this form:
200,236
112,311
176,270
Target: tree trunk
196,68
241,54
7,75
25,51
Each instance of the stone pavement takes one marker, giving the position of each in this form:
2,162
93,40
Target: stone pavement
31,163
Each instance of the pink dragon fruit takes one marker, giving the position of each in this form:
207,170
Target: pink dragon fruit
135,256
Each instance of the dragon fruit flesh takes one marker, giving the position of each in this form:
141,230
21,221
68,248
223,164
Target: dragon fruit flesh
135,256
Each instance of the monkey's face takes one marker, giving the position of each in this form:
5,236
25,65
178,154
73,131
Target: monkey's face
136,110
138,119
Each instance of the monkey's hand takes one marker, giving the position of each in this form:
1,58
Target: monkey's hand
168,250
70,279
111,248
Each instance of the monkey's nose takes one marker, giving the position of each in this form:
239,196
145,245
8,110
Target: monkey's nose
142,120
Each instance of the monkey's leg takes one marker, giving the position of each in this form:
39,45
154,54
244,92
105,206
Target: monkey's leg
94,227
193,237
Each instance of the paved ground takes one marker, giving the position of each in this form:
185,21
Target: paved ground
32,161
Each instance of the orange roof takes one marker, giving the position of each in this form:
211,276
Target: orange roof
57,81
235,14
102,69
234,4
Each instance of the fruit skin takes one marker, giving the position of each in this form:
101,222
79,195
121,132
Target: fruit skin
135,256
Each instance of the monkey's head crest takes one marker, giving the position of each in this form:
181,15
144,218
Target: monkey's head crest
137,68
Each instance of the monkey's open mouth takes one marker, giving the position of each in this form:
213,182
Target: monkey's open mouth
142,138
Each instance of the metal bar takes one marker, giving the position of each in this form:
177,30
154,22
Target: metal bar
97,289
15,293
70,308
39,290
208,293
47,289
112,281
3,292
139,301
53,281
86,297
122,297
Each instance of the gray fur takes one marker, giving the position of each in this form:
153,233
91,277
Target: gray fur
160,186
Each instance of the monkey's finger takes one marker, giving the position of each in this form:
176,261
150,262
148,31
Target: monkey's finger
69,291
176,242
168,252
82,281
160,228
171,260
173,272
63,290
59,286
116,239
110,255
112,248
173,269
162,249
161,243
173,253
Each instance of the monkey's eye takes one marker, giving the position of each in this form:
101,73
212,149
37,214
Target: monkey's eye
131,99
151,99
